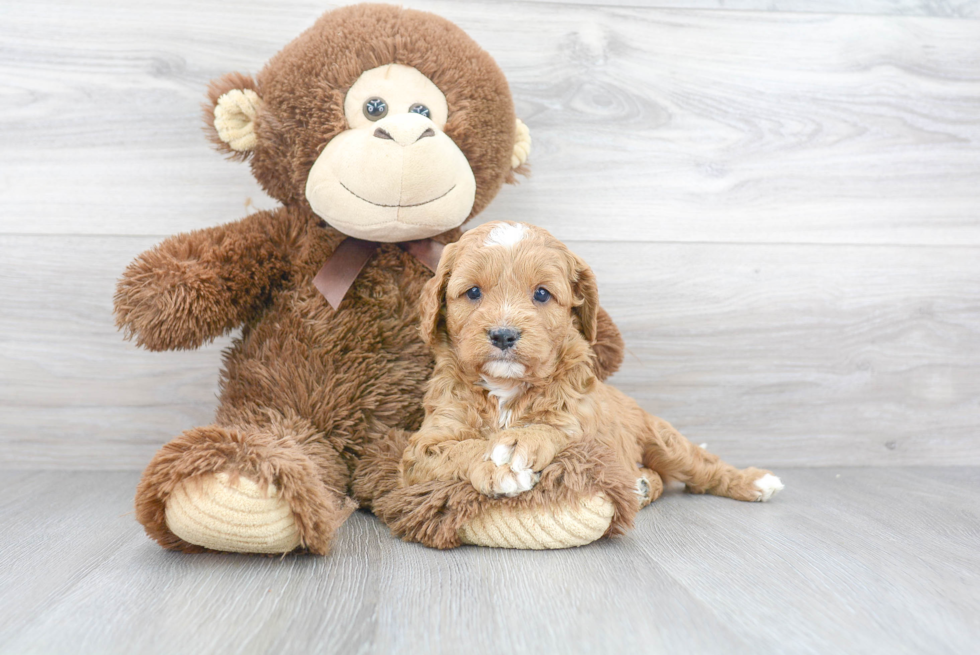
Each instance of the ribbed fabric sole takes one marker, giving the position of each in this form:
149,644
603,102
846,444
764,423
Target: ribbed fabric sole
209,511
537,529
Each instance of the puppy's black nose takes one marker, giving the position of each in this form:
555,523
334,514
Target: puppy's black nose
503,338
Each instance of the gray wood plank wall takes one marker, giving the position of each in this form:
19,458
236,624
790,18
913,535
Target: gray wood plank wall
782,206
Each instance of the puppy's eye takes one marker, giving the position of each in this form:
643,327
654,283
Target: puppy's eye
474,293
419,108
375,109
542,295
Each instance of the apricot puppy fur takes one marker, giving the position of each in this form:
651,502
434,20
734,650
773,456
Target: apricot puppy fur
511,316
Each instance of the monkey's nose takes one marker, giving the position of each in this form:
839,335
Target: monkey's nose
504,338
404,129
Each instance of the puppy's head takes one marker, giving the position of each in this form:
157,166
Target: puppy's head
509,299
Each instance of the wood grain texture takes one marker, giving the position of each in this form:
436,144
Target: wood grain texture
72,392
675,125
774,355
805,355
845,560
781,205
937,8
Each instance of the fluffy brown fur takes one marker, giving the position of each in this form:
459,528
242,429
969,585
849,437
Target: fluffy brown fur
505,418
313,400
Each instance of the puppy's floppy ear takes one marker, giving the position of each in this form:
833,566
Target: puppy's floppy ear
230,114
586,297
434,296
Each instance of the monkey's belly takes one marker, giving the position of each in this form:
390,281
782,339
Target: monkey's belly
351,373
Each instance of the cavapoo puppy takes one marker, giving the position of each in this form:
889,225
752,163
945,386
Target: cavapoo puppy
511,316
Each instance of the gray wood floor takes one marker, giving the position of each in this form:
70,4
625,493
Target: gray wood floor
846,560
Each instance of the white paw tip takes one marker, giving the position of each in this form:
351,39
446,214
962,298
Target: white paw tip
525,480
642,488
516,483
509,485
518,464
769,485
501,454
704,446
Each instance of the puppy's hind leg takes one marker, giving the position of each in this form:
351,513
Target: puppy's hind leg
668,453
649,486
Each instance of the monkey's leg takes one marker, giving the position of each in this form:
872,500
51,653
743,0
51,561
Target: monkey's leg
583,495
668,453
269,488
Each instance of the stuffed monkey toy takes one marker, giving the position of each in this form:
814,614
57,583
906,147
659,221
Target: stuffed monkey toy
380,130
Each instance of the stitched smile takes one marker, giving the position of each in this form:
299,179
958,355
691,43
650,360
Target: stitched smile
378,204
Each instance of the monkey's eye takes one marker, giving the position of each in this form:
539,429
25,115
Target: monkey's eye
474,293
375,109
542,295
419,108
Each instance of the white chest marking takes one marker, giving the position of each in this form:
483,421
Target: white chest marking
504,396
505,234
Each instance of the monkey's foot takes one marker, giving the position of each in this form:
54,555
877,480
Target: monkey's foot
241,516
540,528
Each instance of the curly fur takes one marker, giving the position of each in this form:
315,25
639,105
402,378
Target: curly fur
487,433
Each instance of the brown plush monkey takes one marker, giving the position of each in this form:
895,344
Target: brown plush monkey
380,130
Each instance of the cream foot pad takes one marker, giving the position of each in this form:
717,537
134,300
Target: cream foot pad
240,518
537,529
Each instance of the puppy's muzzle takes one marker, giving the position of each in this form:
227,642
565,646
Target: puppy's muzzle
503,338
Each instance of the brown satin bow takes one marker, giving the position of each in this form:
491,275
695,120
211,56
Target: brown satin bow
337,275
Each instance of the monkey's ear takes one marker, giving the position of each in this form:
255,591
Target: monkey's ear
230,114
434,296
522,146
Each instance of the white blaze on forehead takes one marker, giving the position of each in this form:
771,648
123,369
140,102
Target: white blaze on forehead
505,234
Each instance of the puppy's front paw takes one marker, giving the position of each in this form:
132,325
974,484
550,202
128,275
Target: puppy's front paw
514,469
503,475
524,448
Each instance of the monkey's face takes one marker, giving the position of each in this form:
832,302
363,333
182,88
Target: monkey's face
390,124
394,174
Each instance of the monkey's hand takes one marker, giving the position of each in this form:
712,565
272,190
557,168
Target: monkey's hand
195,287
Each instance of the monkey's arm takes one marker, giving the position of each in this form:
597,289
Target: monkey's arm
608,346
194,287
